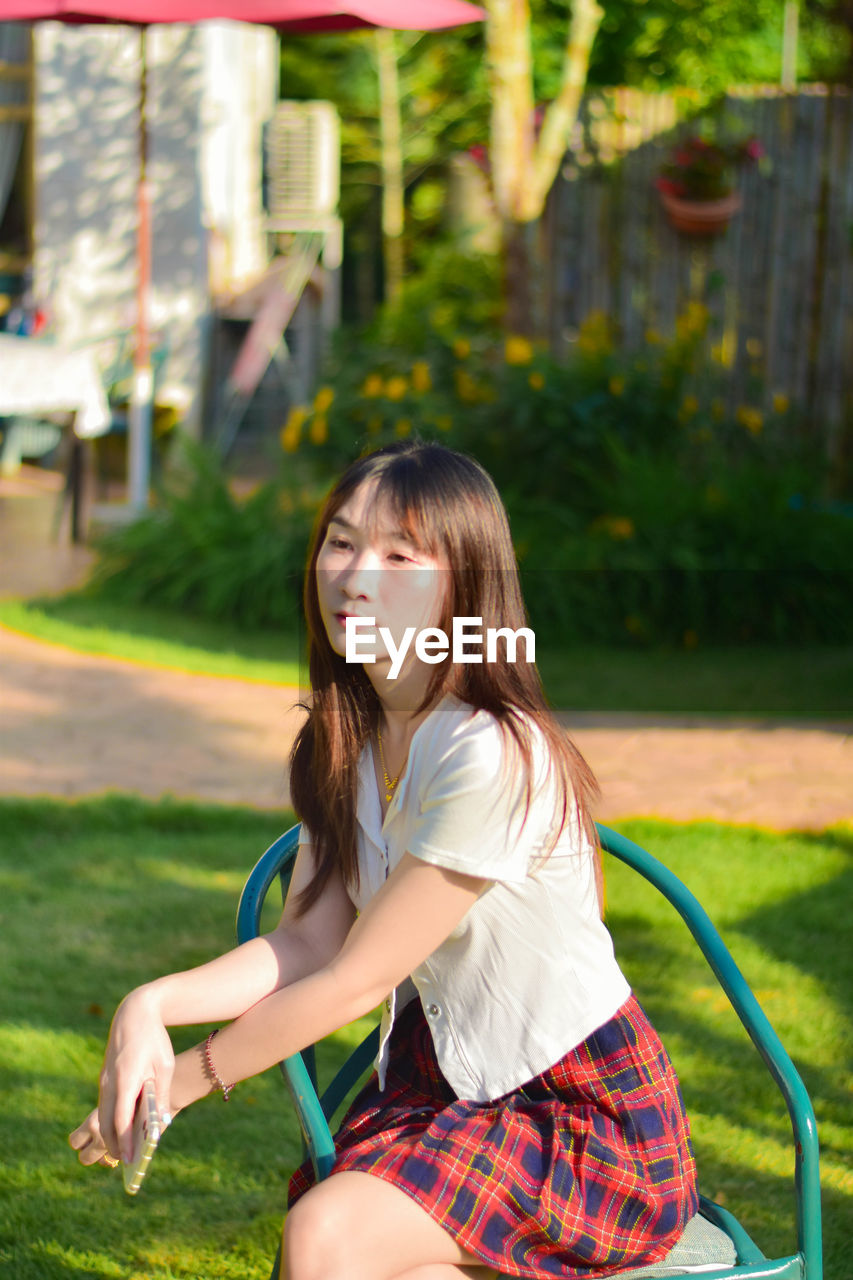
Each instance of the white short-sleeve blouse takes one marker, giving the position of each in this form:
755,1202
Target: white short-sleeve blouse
530,971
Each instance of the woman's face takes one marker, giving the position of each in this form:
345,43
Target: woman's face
368,567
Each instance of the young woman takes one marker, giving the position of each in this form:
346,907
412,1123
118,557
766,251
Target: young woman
524,1118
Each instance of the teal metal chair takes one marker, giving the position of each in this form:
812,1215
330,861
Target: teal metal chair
24,437
714,1244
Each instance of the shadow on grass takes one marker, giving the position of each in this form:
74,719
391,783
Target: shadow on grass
813,930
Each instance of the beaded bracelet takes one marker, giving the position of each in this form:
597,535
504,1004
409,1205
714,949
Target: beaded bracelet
219,1083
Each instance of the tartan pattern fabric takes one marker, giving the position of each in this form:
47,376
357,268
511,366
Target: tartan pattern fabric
587,1169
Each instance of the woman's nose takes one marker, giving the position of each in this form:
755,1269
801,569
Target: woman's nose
362,576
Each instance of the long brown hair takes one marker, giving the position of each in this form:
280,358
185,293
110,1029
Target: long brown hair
450,507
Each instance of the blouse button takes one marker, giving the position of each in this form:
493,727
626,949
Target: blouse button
433,1011
388,1004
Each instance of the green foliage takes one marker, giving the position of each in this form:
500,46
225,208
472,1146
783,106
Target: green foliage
444,109
453,293
203,549
644,506
709,45
701,46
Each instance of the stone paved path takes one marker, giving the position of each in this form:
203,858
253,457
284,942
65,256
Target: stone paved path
75,725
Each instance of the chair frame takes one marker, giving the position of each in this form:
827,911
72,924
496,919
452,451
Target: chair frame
314,1112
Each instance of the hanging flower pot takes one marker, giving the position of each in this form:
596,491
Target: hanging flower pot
700,217
697,183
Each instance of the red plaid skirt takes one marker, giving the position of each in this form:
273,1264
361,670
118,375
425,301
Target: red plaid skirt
587,1168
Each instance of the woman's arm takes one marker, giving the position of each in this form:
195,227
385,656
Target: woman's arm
225,987
139,1047
417,908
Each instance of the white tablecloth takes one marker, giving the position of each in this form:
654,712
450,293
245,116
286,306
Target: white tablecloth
39,376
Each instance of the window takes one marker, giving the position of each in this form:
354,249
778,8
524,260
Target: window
16,183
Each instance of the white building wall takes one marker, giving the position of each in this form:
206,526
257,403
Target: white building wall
209,90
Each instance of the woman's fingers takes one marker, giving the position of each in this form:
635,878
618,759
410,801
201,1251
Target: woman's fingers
86,1140
106,1111
139,1049
163,1092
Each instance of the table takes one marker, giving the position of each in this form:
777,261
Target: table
40,377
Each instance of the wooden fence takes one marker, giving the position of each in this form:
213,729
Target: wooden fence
778,285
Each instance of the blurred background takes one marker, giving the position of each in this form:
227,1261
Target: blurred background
633,304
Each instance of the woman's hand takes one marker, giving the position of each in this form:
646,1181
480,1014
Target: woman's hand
89,1145
138,1049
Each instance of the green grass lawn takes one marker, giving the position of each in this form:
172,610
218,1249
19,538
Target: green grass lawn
98,895
805,683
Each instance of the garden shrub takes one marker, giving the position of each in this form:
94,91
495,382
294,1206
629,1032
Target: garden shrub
645,509
203,550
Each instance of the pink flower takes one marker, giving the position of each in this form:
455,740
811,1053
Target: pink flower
671,187
480,155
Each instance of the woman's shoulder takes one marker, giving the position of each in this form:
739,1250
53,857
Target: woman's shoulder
457,733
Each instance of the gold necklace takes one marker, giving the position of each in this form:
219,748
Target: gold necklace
390,783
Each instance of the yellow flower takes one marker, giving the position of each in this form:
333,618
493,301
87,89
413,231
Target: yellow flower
754,348
462,348
653,338
444,422
718,409
292,428
617,386
466,387
396,387
518,349
692,322
323,399
536,381
318,432
594,335
441,316
403,427
374,425
421,379
714,496
373,385
634,625
751,419
689,406
619,528
781,403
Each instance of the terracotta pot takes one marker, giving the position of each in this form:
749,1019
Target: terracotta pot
700,217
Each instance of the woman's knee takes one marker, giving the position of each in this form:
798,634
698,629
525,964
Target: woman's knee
315,1237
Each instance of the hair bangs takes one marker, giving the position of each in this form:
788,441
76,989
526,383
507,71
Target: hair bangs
405,492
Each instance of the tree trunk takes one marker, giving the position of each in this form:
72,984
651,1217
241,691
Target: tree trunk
525,166
392,163
518,278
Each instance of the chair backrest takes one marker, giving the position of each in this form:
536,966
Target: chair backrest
314,1112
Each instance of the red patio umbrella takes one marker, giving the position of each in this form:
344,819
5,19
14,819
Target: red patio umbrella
296,16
